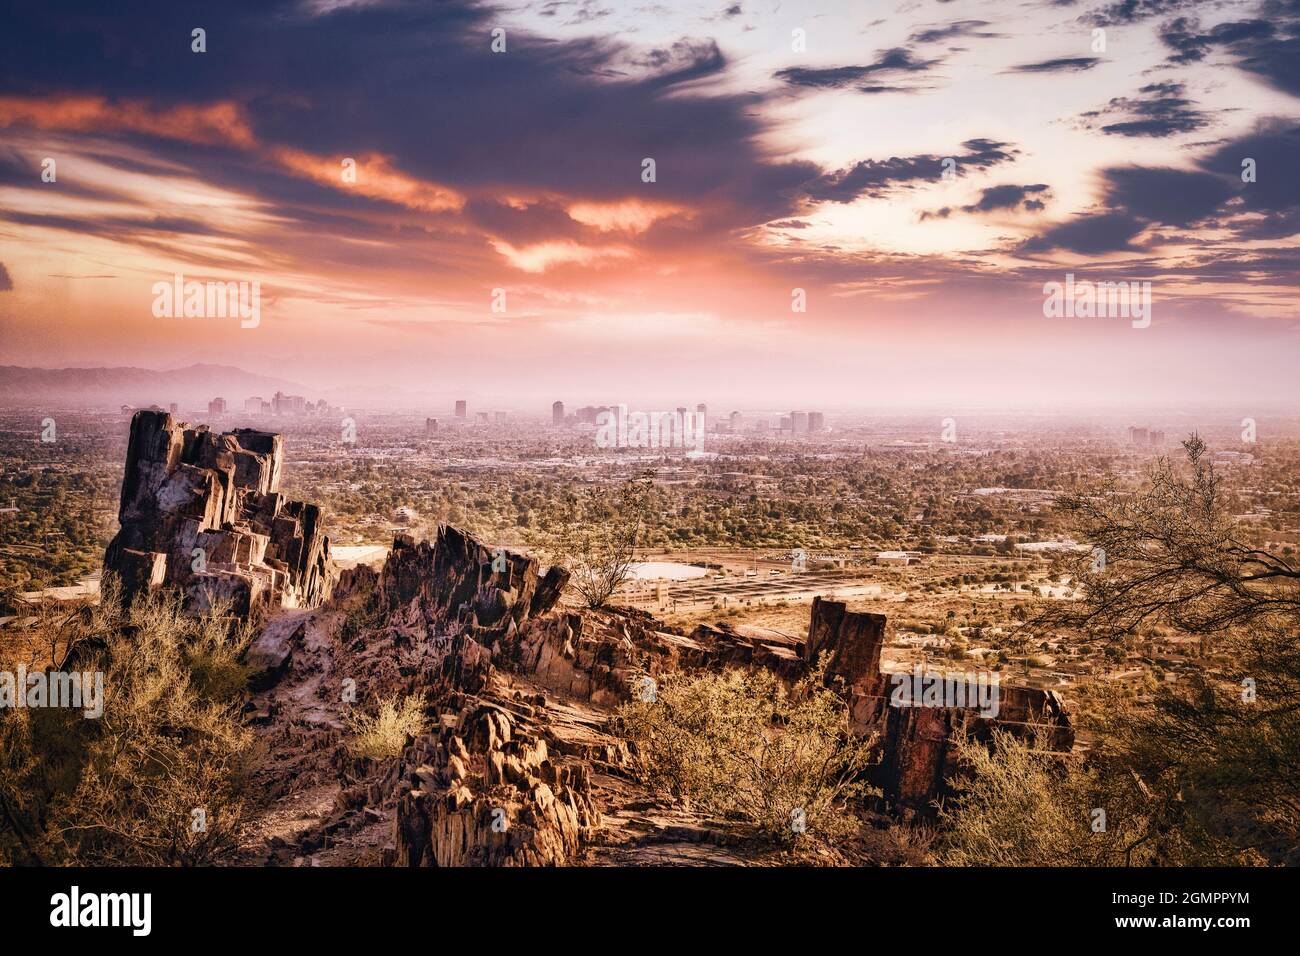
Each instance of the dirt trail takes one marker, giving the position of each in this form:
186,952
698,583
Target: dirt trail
300,721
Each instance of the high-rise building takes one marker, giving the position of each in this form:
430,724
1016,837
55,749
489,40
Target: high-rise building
799,422
557,413
217,406
816,422
736,421
460,409
430,426
253,406
1138,436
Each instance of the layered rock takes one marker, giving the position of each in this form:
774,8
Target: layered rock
203,513
457,581
917,740
485,790
520,759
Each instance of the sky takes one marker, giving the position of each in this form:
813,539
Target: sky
912,174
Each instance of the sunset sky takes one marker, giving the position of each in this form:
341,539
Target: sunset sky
779,165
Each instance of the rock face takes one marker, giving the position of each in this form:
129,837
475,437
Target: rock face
203,513
457,580
917,752
486,791
918,759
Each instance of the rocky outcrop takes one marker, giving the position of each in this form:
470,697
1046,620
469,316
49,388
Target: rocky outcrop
485,790
724,645
456,580
520,759
916,739
918,758
203,513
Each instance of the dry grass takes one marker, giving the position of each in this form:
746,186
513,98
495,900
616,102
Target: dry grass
740,745
383,735
125,788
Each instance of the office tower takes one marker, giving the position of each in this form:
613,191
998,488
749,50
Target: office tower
460,408
557,413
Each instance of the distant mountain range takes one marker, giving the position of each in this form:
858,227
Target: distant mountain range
189,387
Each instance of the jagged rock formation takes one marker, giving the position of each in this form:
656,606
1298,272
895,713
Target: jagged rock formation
485,790
518,765
917,759
456,580
203,513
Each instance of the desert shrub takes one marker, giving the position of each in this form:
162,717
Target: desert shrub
214,651
741,745
166,768
598,541
361,617
1219,746
1020,804
123,788
383,734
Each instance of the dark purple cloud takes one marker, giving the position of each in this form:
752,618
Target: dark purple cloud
1135,197
1088,234
1268,45
896,61
1172,197
954,30
876,177
419,83
1159,109
1065,64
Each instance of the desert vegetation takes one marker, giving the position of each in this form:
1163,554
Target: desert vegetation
1206,771
743,746
160,778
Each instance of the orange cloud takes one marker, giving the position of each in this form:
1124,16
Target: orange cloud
375,178
541,256
221,123
630,215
